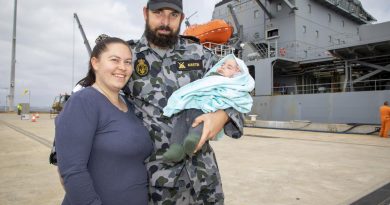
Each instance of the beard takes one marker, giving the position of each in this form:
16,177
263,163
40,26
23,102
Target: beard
161,40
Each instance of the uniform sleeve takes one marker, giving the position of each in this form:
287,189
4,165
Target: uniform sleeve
210,58
75,130
234,128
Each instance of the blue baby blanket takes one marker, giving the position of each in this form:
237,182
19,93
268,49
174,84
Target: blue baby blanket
214,92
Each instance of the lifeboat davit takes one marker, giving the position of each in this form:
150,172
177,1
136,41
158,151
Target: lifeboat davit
215,31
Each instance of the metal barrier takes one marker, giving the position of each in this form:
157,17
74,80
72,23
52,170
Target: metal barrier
220,50
367,85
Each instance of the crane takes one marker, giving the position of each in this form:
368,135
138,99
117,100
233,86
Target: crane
188,18
83,34
60,100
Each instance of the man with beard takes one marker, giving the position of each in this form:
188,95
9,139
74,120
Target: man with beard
164,62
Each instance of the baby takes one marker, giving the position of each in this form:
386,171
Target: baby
226,85
229,68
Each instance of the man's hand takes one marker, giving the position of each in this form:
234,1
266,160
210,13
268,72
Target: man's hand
212,124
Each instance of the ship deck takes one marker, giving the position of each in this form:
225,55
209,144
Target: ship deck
266,166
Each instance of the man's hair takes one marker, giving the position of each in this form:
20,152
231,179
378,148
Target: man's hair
386,103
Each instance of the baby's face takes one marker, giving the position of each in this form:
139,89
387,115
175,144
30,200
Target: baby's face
229,68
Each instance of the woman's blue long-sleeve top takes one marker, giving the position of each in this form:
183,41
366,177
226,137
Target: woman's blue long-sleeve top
101,152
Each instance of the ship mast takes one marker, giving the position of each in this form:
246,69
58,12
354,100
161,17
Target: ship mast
13,61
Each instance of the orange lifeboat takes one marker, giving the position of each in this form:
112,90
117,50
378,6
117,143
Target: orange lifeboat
215,31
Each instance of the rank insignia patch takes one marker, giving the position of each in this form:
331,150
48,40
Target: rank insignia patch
141,67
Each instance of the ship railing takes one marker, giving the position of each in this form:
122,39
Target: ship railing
220,50
353,8
294,50
262,49
367,85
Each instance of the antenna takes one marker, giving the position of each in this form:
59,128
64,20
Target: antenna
187,22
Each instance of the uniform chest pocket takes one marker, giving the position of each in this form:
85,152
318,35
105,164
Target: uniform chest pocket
185,77
152,93
144,88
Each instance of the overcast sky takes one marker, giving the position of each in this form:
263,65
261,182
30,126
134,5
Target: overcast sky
46,29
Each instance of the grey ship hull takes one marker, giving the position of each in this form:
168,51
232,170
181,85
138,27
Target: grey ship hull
351,107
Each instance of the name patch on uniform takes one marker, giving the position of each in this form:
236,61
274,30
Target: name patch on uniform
189,65
141,66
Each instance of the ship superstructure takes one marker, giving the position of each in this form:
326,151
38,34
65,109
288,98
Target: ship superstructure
316,60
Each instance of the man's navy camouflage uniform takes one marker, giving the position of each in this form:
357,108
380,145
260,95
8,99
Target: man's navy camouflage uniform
195,180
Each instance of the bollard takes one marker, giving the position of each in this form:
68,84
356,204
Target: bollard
253,117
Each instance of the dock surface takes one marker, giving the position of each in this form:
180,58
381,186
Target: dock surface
265,166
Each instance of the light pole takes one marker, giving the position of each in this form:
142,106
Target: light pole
13,61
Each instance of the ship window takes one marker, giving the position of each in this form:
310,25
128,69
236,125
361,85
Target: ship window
343,23
357,30
273,33
256,14
304,29
317,33
330,39
329,18
279,7
309,5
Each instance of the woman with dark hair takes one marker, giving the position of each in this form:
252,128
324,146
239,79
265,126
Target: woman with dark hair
101,145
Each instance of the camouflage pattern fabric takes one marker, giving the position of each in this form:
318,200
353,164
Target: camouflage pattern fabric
154,79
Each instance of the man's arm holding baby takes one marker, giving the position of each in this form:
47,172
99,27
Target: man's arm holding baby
231,120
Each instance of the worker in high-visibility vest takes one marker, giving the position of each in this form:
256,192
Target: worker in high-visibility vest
19,107
384,111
